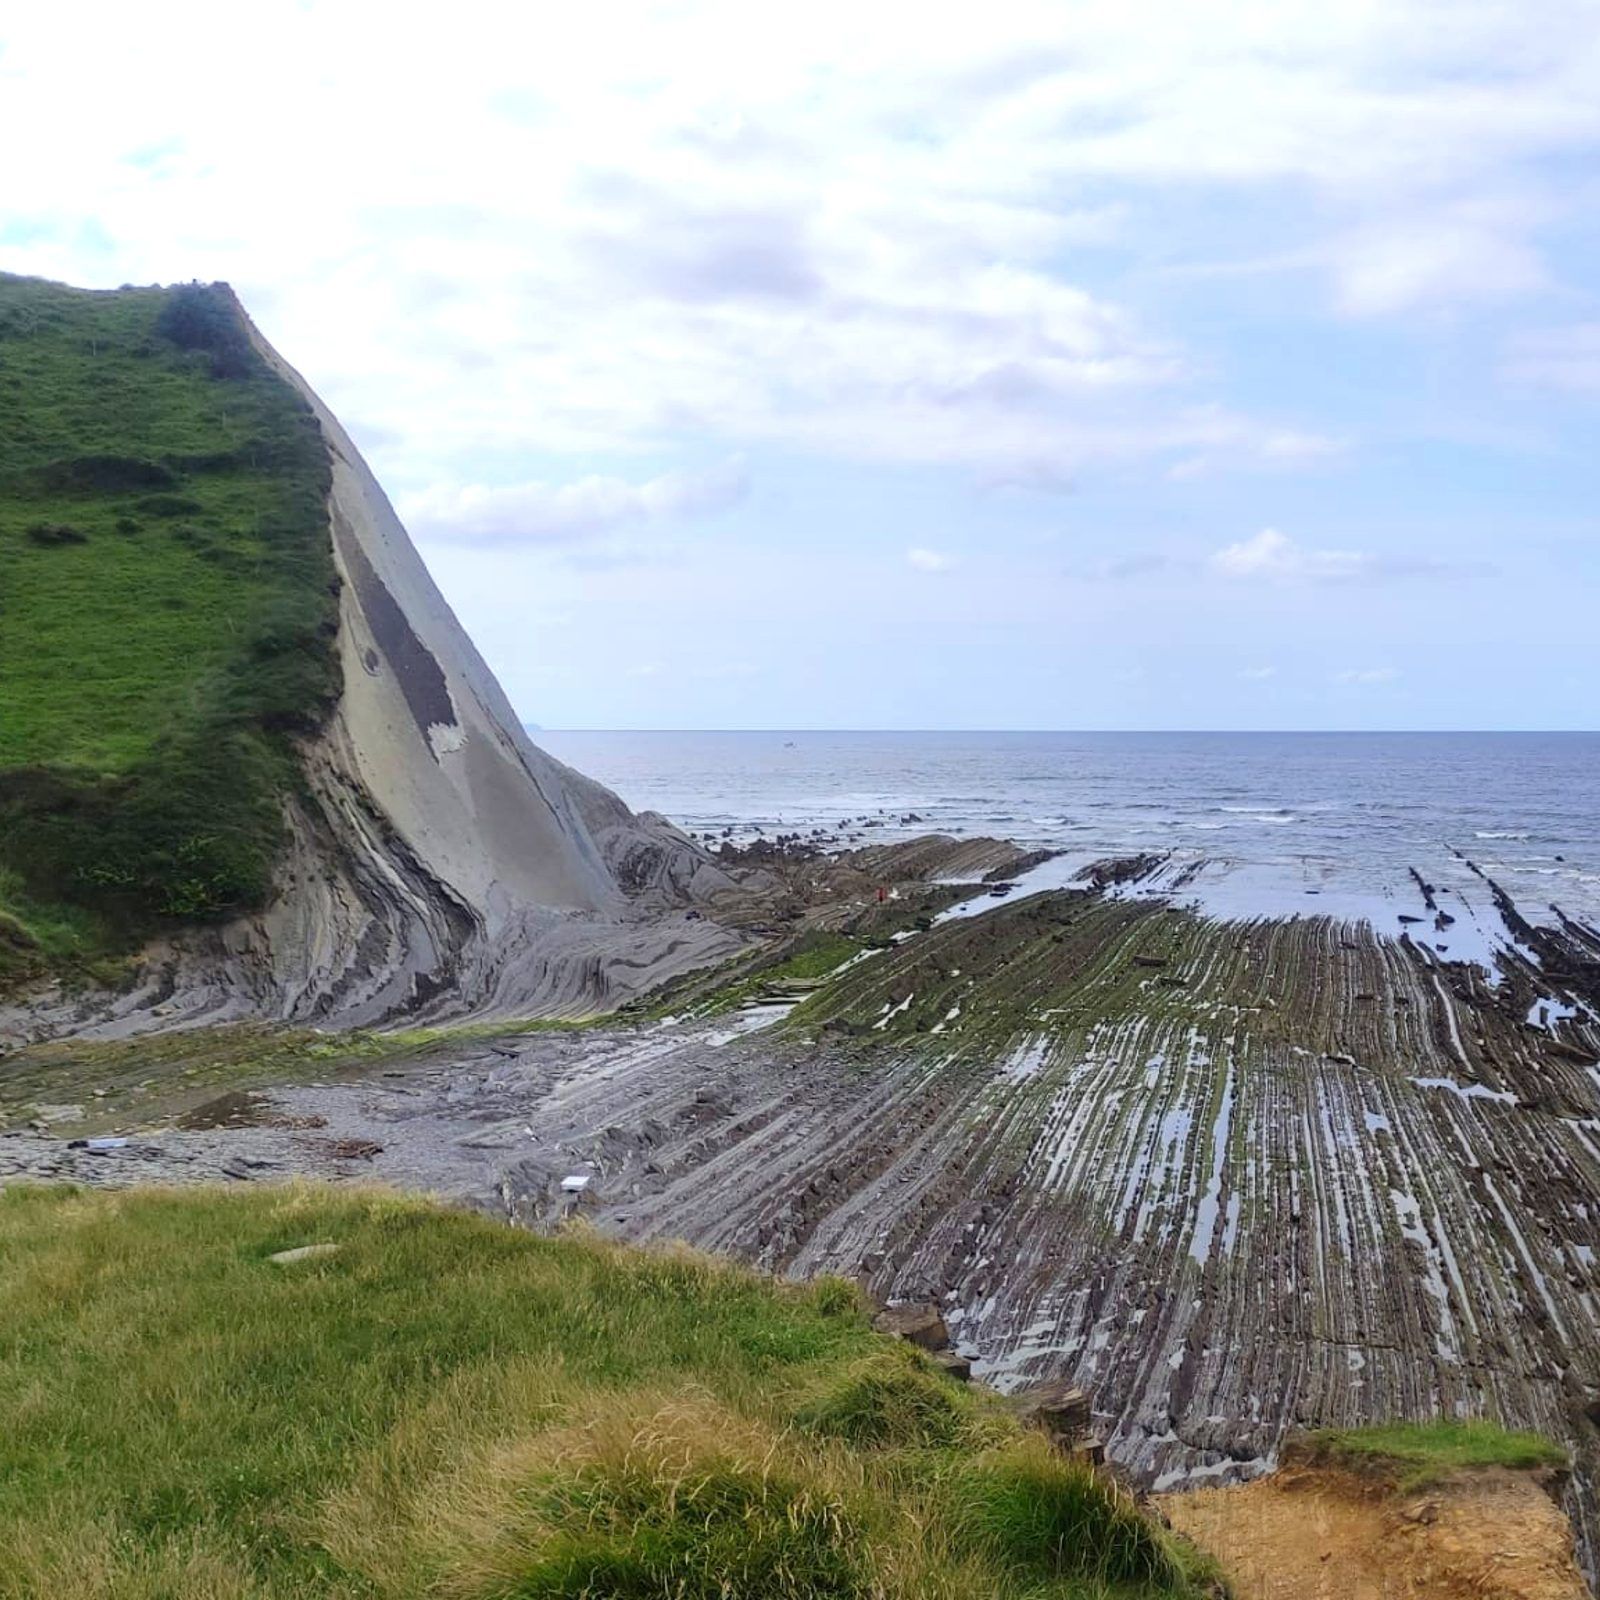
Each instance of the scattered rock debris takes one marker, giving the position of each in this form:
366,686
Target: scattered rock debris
920,1324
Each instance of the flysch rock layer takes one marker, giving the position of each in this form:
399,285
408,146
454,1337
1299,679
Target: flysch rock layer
1232,1179
439,861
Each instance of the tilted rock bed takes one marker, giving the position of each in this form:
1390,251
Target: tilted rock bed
1228,1178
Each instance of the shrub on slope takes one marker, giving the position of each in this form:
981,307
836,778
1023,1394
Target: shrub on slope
168,603
444,1406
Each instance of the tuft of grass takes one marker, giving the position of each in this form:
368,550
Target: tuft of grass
1418,1453
838,1297
1039,1516
153,674
444,1406
654,1495
888,1398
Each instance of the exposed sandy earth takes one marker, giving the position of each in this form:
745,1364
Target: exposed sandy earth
1326,1535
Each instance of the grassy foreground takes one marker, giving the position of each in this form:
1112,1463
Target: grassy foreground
446,1407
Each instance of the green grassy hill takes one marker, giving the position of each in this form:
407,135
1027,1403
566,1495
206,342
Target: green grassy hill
445,1406
167,608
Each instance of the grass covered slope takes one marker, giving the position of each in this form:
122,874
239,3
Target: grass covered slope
1416,1453
168,603
445,1406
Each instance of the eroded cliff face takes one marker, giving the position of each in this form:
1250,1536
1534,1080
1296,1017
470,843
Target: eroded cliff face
1307,1532
438,863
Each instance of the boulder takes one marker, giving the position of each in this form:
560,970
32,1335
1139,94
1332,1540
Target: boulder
1056,1407
920,1322
47,1114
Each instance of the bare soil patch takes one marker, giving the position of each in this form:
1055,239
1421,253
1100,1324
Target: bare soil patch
1322,1534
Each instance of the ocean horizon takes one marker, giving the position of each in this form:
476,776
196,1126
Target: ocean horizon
1257,823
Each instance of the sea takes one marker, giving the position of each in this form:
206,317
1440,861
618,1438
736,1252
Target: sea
1251,824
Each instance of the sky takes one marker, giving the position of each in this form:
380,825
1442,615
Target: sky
1179,365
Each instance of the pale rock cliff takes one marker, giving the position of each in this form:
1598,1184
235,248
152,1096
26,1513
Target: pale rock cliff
439,862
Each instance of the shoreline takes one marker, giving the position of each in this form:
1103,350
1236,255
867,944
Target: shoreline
1275,825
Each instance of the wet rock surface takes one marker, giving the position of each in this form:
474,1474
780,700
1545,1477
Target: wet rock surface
1326,1179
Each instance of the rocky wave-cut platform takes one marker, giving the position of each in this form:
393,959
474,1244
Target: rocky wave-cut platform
1232,1178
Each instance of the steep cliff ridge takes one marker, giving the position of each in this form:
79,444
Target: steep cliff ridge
432,858
538,876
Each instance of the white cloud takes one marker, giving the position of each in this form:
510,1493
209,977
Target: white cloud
1271,557
1275,557
1366,675
844,229
542,513
1557,358
1257,674
1226,443
1436,258
930,560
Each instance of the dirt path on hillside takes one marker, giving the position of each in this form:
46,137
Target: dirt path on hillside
1325,1535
